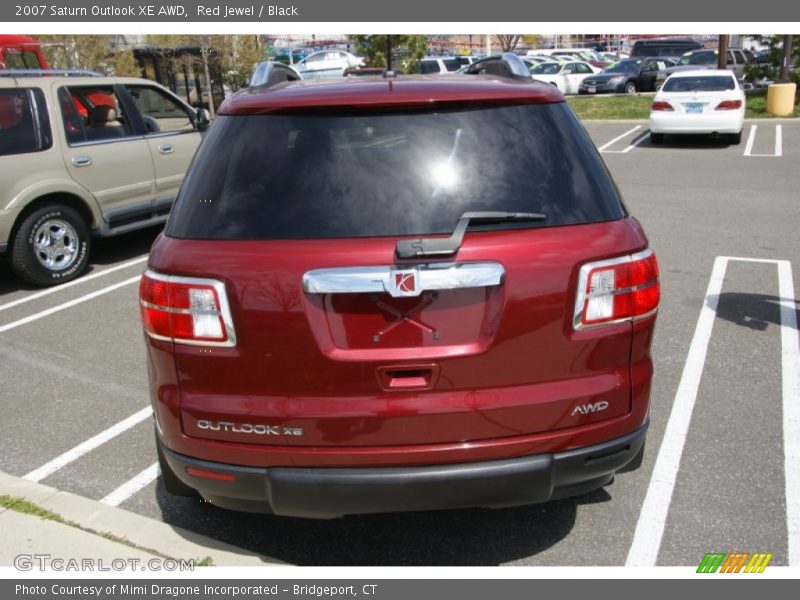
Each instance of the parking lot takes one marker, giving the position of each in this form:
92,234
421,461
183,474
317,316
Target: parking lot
726,400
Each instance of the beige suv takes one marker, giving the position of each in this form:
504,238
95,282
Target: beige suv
84,156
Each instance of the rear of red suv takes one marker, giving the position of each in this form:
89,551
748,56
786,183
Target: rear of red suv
398,294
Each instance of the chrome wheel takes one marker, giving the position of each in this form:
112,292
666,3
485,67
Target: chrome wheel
55,245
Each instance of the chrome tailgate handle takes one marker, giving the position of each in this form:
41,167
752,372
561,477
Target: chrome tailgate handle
403,281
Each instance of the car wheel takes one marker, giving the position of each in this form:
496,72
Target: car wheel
735,138
630,87
657,138
51,246
172,484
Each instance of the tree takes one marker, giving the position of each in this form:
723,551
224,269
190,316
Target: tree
124,64
90,52
508,42
407,50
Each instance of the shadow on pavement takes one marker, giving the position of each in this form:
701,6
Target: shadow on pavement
453,537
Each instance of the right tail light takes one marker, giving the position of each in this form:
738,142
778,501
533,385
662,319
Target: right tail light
616,290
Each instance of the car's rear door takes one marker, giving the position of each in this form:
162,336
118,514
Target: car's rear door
170,134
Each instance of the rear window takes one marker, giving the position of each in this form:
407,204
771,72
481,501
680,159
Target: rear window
308,176
702,83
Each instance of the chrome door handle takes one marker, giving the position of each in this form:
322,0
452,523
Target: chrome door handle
166,148
82,160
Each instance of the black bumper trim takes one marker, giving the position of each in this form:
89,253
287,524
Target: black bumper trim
324,493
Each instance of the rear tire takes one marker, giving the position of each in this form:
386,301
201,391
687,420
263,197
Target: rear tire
172,484
50,246
735,138
657,138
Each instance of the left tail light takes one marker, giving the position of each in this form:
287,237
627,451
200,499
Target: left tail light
661,106
186,310
616,290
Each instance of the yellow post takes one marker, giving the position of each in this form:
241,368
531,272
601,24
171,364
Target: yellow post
780,99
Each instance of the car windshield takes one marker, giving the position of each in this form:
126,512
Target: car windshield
623,66
376,174
698,58
700,83
550,68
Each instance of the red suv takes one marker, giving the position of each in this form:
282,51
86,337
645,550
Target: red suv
395,294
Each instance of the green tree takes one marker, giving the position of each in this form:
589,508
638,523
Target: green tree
407,50
124,64
77,51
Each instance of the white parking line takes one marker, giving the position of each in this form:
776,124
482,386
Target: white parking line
87,446
618,138
790,352
639,140
79,281
653,516
65,305
748,150
129,488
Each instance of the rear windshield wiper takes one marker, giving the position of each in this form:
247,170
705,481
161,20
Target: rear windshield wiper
449,246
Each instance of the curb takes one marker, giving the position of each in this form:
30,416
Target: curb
126,528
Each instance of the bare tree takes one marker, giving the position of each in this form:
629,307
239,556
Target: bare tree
508,42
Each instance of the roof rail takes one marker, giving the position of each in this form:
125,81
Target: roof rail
507,64
269,73
47,72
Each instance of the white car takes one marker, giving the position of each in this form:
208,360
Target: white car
566,76
327,63
701,101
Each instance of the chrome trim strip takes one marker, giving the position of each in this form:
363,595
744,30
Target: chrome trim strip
583,280
225,309
379,279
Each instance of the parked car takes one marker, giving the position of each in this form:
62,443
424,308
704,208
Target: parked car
434,65
628,76
664,47
328,63
364,302
85,156
706,59
466,59
708,101
567,77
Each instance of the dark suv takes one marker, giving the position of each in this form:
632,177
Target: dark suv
398,294
629,76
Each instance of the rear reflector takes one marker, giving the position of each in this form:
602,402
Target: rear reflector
615,290
229,477
661,106
185,310
729,105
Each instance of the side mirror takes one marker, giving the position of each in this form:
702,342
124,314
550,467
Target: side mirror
203,119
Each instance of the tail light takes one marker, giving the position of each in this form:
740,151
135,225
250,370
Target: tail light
729,105
661,106
186,310
615,290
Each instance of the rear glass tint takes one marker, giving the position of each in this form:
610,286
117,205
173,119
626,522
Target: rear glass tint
307,176
702,83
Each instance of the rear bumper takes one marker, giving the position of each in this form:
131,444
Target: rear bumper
327,493
722,122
